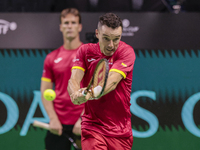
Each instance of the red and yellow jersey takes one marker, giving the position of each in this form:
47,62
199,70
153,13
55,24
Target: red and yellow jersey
109,115
57,69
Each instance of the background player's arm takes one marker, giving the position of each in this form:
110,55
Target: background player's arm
113,79
55,125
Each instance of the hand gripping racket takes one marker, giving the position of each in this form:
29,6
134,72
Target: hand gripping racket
98,81
46,126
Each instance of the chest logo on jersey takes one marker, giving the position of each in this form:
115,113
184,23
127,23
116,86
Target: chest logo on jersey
74,60
111,61
92,59
58,60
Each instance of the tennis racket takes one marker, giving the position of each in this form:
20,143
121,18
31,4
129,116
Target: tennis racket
46,126
98,81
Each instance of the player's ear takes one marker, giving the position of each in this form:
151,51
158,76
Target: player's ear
60,26
97,33
80,27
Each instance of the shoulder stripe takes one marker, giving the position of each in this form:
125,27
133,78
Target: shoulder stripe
119,71
123,64
77,67
46,79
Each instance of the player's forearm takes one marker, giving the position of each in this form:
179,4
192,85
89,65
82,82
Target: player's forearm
73,86
75,80
112,82
110,87
48,105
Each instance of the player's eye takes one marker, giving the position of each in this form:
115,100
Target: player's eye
115,40
107,39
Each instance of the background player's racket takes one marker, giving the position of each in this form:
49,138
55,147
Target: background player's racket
98,81
46,126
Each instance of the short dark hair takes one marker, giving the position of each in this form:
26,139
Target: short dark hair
111,20
73,11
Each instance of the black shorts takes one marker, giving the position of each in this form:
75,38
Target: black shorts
55,142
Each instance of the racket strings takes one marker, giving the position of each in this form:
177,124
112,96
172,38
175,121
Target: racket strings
99,77
98,81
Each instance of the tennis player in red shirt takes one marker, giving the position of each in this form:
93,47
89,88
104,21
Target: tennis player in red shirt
106,122
63,114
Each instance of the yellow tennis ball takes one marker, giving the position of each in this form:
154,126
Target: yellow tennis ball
49,94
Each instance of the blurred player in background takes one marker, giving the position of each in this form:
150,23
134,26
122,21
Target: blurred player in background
63,114
106,122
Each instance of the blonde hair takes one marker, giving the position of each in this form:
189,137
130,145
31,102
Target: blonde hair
73,11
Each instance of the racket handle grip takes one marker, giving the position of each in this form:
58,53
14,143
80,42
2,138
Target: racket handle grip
95,92
84,93
41,125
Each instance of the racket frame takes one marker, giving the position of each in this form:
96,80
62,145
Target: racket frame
88,89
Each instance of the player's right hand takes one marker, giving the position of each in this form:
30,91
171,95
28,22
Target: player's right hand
55,127
77,97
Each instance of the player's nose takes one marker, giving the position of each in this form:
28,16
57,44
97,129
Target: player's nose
70,25
111,45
